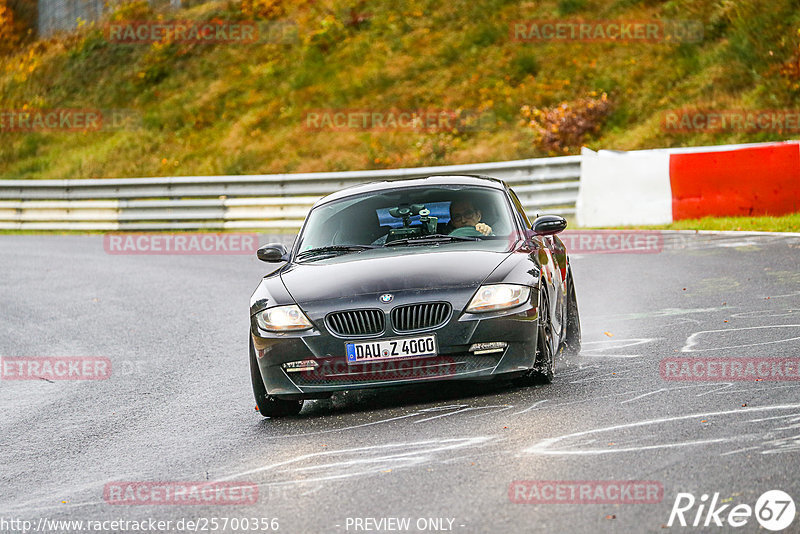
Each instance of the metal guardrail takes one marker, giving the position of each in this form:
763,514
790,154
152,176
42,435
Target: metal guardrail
273,201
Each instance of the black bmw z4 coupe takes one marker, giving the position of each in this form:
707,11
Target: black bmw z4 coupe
409,281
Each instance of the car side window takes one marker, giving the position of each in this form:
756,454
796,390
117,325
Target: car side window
523,218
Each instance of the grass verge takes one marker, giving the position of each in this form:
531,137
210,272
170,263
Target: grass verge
783,223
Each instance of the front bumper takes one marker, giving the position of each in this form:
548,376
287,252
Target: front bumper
517,328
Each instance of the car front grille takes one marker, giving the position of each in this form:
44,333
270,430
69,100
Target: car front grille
420,316
356,323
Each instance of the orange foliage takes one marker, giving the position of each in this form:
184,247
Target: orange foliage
264,9
11,29
564,126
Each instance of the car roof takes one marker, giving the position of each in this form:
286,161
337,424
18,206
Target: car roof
431,180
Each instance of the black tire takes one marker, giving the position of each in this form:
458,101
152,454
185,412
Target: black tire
544,361
572,341
269,406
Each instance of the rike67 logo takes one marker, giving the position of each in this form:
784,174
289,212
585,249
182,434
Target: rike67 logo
774,510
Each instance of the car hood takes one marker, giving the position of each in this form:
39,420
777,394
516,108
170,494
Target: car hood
376,271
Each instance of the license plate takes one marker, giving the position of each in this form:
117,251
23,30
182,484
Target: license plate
387,349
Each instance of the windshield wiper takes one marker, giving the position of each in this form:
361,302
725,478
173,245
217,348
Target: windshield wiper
433,238
333,249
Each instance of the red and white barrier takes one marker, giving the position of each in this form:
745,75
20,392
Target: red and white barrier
662,186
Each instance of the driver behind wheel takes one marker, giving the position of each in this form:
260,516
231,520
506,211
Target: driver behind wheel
465,218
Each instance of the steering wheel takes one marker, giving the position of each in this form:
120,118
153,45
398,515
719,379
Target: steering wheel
466,231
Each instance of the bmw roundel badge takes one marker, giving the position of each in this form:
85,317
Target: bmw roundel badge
387,297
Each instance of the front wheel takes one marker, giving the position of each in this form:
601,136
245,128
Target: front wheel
269,406
572,341
544,363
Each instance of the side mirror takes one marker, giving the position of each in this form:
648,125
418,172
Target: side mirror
273,253
549,224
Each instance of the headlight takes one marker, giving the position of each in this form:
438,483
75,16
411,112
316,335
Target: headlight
283,318
498,297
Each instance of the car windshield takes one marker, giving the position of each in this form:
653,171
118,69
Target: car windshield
412,216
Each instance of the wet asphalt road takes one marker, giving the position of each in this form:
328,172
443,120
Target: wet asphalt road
178,406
